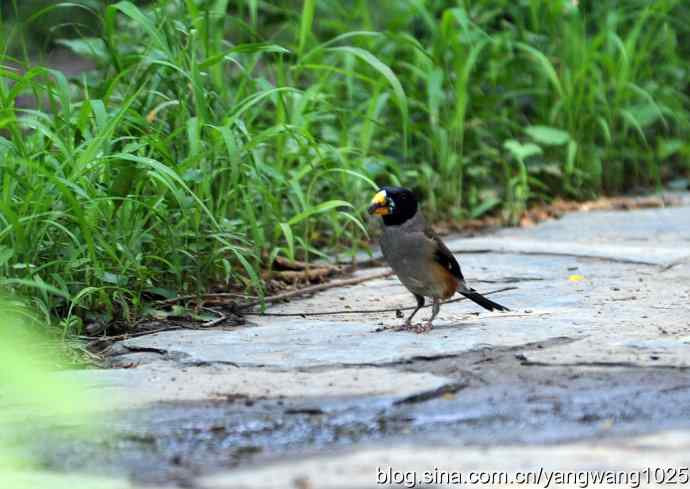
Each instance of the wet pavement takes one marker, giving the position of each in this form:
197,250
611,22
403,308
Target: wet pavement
589,370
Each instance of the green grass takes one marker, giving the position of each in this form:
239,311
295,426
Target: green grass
216,135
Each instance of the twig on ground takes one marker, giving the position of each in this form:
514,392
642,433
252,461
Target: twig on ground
137,334
313,289
215,322
360,311
216,295
278,297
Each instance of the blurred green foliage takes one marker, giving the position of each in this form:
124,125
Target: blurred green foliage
215,135
32,398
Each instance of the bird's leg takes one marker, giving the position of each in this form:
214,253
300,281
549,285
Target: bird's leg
435,309
420,304
423,328
408,321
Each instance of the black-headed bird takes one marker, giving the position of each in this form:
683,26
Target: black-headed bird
418,256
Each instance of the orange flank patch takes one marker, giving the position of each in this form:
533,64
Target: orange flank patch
450,282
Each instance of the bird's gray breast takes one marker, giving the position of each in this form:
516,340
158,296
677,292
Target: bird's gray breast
410,254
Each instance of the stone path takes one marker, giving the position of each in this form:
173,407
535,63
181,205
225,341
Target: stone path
615,282
588,371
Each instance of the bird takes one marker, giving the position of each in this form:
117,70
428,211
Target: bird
418,256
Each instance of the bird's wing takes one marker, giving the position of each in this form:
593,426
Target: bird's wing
442,254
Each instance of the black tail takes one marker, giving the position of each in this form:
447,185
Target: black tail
475,296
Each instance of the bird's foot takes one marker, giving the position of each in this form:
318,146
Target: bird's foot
407,326
418,328
423,327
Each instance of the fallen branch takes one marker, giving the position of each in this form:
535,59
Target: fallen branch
215,295
214,322
126,336
278,297
361,311
312,289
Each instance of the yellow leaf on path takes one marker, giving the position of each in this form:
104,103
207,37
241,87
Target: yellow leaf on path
576,278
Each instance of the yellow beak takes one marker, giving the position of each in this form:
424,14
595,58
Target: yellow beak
379,204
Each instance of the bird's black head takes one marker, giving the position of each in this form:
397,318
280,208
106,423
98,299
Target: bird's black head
394,204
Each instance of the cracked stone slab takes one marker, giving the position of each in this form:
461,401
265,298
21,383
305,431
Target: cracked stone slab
168,382
291,344
360,468
614,310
